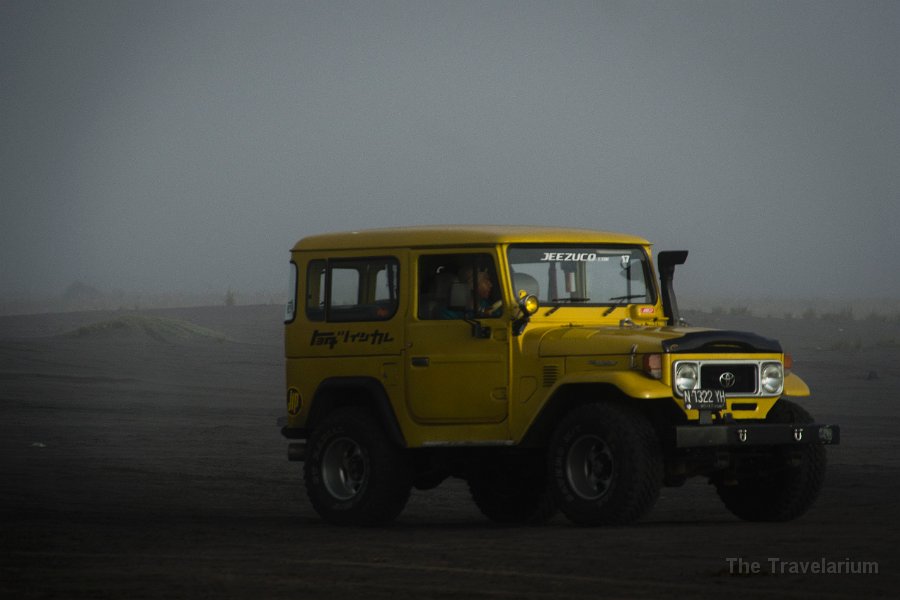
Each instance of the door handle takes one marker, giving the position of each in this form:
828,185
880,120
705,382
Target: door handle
420,361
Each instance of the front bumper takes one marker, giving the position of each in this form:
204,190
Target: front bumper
737,435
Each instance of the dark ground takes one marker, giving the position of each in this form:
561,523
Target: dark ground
136,464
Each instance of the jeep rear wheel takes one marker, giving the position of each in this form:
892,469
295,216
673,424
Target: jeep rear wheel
605,465
781,486
354,475
513,489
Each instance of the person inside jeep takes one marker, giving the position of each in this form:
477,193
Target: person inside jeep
463,303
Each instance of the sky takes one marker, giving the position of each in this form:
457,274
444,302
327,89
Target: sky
185,146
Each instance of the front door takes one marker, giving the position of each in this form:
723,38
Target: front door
457,373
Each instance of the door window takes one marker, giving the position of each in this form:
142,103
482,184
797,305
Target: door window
458,286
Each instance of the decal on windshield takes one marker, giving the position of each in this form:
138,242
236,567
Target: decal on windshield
575,257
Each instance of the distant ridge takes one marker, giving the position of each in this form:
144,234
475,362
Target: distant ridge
158,329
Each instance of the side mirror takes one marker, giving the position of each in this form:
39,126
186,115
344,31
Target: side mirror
479,331
528,305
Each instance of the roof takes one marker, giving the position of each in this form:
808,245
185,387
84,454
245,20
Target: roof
460,235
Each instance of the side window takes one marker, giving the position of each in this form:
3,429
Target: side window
359,289
458,286
290,307
386,285
345,288
315,291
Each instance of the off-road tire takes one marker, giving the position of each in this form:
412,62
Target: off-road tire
606,465
513,489
785,487
354,474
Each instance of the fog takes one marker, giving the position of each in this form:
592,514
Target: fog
174,146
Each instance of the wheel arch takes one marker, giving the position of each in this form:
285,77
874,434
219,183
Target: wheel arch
660,412
366,392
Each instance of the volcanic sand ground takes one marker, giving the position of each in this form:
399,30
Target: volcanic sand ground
139,457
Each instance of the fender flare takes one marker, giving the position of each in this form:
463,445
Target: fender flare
794,386
368,392
624,388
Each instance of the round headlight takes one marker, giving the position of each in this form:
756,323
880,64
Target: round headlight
686,376
771,378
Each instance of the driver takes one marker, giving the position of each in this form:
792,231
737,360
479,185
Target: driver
484,285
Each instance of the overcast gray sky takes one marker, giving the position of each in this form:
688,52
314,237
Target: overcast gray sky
185,146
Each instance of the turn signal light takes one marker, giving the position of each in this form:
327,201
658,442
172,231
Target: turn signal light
653,365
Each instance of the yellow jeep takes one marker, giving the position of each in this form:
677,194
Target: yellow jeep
545,366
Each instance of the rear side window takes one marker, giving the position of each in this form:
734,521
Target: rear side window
290,307
358,289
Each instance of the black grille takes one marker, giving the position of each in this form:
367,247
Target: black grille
744,378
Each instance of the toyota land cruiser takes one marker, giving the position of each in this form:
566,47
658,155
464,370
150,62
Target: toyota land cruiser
547,367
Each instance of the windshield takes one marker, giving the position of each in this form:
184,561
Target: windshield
582,275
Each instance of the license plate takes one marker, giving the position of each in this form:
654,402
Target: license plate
704,399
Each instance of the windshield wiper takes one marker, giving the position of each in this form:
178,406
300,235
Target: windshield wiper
620,300
557,307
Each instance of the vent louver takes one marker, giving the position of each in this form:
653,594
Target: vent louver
551,374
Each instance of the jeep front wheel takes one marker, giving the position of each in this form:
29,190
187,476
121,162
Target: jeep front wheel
605,465
782,485
354,475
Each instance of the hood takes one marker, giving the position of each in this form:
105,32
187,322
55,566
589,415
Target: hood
584,341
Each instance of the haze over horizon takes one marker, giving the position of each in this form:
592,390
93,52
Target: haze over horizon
184,146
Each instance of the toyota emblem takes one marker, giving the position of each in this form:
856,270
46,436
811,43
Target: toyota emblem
726,380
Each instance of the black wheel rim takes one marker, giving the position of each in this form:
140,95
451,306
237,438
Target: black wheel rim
589,467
